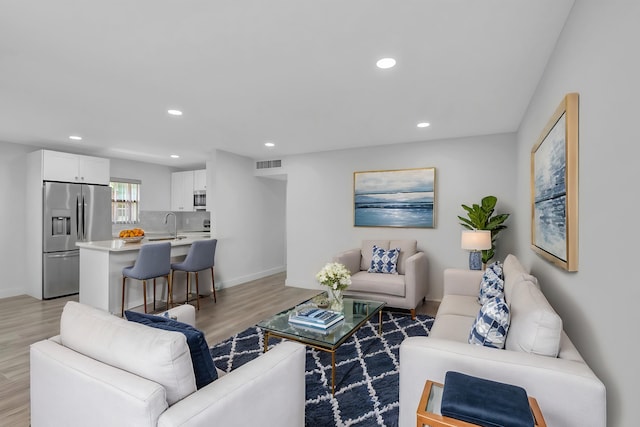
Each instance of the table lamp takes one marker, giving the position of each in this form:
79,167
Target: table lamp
476,241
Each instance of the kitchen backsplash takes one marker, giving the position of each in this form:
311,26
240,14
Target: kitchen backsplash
153,222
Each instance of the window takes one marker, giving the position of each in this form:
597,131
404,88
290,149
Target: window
125,201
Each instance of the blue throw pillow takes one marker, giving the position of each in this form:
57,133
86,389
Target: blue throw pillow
203,367
384,261
492,284
491,325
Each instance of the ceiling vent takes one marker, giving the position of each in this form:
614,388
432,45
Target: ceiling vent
268,164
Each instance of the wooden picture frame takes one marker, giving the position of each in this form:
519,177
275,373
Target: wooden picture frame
554,187
394,198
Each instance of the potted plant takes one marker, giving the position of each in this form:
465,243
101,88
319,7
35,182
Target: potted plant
481,217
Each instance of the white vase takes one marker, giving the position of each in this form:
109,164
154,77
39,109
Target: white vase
336,302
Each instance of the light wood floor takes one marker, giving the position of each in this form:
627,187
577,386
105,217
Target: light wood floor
26,320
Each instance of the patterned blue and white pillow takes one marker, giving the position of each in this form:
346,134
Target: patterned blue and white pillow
384,261
491,325
492,284
496,266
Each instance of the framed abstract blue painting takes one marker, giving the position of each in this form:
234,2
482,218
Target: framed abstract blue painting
554,187
394,198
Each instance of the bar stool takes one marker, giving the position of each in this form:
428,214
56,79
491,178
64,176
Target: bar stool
200,257
154,260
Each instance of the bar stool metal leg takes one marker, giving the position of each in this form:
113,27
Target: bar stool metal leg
213,285
122,311
144,294
187,302
197,293
171,290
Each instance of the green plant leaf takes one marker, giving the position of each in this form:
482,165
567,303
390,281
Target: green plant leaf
489,203
466,223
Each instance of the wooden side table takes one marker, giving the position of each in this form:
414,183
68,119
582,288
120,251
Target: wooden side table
428,413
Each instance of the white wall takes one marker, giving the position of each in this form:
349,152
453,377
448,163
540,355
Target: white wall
13,162
155,191
248,219
320,201
595,56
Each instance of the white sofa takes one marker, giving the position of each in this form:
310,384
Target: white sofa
103,370
405,290
538,354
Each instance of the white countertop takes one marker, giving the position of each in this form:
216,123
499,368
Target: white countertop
118,245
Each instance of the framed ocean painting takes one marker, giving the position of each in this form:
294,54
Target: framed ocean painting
554,187
395,198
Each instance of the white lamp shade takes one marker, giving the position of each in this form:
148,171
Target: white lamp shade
476,240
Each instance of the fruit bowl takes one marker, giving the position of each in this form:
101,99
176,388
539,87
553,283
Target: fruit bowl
135,239
133,235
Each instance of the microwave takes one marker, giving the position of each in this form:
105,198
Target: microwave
199,199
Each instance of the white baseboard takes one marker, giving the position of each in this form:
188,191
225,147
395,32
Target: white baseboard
306,283
221,284
11,292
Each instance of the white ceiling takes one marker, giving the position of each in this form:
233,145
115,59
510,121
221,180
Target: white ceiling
300,73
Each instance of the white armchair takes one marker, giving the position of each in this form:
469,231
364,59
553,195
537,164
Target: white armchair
405,290
72,385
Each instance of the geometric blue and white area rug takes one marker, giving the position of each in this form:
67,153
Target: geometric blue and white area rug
367,371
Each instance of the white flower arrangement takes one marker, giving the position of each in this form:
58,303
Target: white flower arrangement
335,276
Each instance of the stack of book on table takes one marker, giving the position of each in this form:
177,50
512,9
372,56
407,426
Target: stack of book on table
314,318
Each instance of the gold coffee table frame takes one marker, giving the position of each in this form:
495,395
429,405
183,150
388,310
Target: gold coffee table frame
357,313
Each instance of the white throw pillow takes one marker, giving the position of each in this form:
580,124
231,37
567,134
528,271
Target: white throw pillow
535,326
514,273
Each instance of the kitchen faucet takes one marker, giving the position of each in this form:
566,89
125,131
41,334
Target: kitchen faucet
175,223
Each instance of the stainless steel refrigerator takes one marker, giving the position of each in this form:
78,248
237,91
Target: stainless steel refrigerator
72,213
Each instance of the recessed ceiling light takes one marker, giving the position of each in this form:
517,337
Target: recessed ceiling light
269,144
76,137
386,63
175,112
424,125
175,156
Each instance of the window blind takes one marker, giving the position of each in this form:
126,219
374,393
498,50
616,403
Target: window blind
125,201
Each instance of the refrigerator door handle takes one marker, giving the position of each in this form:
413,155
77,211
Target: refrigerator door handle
84,219
64,255
77,217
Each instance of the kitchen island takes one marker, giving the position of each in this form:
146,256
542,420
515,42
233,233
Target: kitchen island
101,265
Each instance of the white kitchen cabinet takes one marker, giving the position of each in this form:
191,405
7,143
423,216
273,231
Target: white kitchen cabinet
200,180
67,167
182,191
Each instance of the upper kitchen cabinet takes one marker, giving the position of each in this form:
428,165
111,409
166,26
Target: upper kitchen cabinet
200,180
182,191
66,167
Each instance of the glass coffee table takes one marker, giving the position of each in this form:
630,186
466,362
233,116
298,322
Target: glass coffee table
356,313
